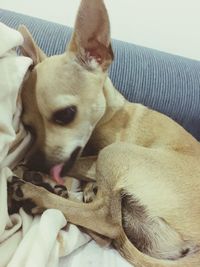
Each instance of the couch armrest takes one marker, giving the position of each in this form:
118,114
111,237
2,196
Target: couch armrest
164,82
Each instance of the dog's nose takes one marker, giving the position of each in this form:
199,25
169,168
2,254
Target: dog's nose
38,162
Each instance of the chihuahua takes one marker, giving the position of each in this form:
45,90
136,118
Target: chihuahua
146,166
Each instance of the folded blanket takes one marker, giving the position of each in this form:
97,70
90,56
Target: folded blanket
24,241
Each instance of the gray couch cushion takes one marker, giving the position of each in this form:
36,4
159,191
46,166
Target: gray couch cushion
167,83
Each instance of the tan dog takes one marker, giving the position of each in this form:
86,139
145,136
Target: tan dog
147,167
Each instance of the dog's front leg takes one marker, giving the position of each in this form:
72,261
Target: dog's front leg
93,216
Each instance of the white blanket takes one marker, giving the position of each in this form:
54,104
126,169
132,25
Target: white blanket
26,241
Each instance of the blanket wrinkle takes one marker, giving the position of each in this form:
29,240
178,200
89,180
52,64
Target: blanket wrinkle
25,241
43,235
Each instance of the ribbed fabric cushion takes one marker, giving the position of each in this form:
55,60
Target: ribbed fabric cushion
167,83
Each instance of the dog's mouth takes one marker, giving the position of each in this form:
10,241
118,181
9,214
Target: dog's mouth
60,170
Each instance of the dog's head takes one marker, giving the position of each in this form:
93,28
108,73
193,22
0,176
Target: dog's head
63,97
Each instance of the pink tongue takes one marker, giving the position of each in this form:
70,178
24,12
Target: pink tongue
55,173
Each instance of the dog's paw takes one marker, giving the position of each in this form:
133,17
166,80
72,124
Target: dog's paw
89,192
61,190
17,199
31,191
40,179
188,248
14,188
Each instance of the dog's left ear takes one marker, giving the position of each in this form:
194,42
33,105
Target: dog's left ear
91,38
29,47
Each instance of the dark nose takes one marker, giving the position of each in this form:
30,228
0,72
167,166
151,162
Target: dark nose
38,162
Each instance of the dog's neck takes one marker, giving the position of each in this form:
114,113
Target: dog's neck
110,125
114,102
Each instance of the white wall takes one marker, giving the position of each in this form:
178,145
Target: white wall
168,25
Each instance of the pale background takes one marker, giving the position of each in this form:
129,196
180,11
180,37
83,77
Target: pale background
168,25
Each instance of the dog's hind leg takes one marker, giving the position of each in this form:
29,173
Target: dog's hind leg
152,235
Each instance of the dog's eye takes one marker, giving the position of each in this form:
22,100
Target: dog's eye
65,116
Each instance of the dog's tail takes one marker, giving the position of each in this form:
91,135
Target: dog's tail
139,259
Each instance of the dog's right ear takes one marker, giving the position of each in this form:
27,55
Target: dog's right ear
91,42
29,47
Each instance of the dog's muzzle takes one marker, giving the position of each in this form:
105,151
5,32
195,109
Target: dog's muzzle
60,170
39,162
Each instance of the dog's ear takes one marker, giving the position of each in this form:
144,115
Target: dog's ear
29,47
91,38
